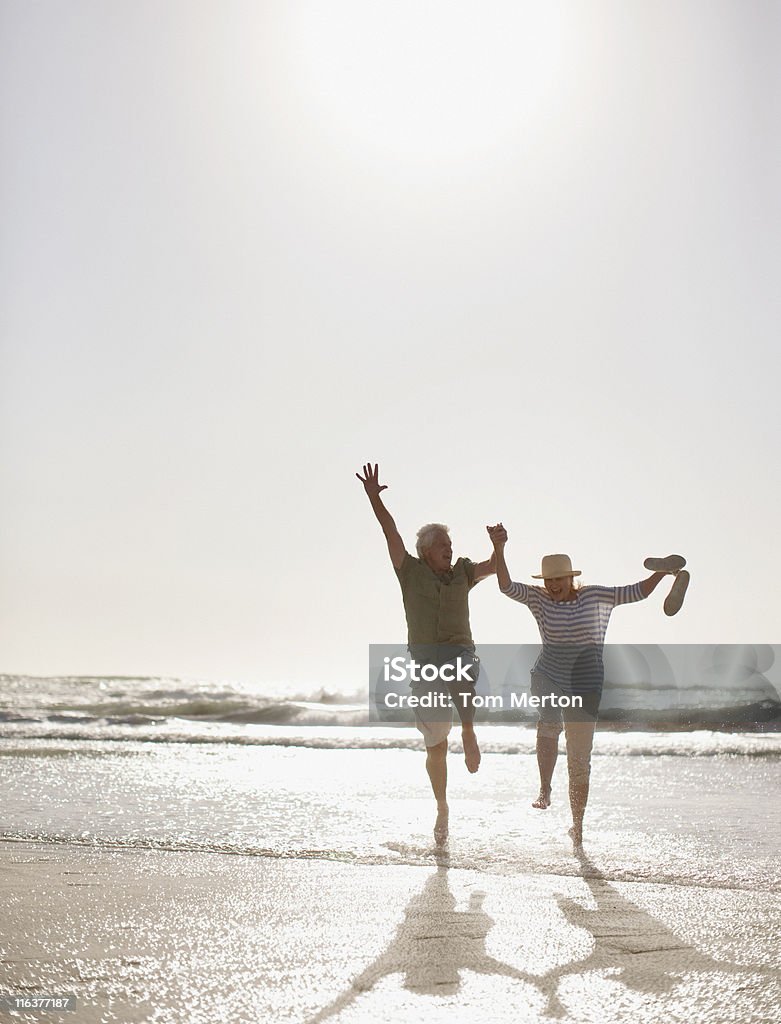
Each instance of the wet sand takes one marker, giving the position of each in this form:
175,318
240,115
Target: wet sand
144,935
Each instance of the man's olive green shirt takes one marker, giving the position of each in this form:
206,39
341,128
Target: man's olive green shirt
436,606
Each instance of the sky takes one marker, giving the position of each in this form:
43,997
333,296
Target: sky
524,256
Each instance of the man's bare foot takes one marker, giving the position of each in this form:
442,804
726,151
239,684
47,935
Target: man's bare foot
542,803
471,751
576,835
441,825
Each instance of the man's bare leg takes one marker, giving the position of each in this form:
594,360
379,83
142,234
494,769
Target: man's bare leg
436,766
547,753
471,748
463,698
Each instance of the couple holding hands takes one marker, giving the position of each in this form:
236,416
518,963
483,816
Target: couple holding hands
572,622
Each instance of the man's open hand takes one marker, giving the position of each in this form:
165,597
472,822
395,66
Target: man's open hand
370,480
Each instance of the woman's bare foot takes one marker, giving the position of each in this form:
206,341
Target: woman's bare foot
441,825
542,803
576,835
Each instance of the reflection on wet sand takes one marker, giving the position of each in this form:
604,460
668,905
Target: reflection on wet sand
633,947
436,942
433,944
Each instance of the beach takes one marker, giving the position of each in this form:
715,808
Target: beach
154,936
298,881
308,310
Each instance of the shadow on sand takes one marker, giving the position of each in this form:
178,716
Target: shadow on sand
435,943
432,945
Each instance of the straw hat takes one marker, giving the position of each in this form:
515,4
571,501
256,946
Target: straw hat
554,566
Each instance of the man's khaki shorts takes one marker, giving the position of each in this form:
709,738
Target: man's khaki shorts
435,723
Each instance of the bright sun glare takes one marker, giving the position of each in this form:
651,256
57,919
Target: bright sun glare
425,82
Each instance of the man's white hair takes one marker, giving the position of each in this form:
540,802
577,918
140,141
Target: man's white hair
426,535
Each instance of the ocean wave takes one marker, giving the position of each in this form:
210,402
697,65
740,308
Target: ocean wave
128,700
766,714
398,854
162,710
228,713
140,699
501,740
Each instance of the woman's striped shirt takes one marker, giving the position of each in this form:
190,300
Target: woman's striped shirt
573,632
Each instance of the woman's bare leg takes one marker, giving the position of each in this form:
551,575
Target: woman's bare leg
547,753
580,739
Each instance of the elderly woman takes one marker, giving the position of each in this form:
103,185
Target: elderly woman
572,623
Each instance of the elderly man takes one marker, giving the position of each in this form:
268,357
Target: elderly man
435,591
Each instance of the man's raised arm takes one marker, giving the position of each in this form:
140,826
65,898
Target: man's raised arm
372,486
